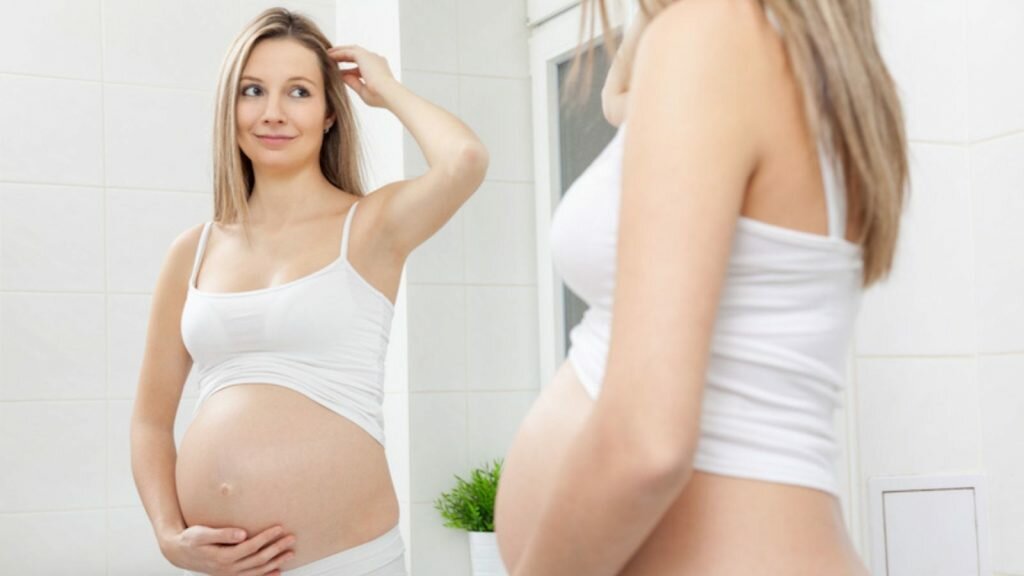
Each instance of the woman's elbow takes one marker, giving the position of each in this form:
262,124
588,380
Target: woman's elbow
653,460
469,163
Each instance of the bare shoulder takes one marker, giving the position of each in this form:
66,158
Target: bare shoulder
718,33
177,266
712,59
740,17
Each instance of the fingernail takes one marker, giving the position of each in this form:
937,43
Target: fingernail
239,535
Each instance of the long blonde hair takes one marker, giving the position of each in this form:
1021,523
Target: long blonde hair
850,99
233,177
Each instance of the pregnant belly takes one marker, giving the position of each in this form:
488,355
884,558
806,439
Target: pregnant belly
259,455
782,529
528,475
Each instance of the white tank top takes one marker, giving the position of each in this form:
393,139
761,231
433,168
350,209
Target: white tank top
778,352
324,335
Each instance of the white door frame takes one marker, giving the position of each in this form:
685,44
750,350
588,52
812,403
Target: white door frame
552,42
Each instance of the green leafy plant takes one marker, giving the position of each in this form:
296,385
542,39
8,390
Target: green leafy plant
470,505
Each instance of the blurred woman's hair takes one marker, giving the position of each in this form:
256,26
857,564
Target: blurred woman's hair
849,97
340,161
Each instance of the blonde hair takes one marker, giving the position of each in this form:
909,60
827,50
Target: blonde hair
849,98
233,177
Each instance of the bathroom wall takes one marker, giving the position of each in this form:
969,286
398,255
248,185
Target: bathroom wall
940,346
472,288
106,111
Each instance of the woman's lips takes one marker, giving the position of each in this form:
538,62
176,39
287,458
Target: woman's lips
274,140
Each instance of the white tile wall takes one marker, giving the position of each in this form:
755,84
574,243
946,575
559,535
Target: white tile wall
491,37
169,44
437,338
52,237
429,39
47,543
46,33
158,138
908,314
59,452
53,130
997,190
500,230
996,86
1002,404
437,442
53,346
502,337
918,416
924,43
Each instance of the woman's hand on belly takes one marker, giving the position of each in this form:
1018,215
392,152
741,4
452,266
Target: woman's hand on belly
220,552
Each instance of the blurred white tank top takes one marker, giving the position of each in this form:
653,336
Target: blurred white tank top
778,352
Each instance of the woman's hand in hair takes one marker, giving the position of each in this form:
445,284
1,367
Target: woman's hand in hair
369,78
615,92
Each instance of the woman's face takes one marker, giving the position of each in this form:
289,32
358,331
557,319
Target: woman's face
281,94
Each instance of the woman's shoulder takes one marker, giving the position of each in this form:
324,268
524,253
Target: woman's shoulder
182,250
712,28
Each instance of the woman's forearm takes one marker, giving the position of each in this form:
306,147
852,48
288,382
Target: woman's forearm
153,462
609,495
442,137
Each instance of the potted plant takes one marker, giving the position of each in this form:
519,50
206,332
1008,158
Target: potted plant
470,507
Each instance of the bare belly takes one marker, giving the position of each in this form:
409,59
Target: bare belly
259,455
719,526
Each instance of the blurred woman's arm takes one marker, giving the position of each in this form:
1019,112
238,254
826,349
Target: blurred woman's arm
682,192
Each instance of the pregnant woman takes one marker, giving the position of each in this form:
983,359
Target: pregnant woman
722,241
282,306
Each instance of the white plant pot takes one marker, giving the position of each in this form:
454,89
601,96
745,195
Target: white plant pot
484,556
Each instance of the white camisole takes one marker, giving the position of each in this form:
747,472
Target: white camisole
778,352
324,335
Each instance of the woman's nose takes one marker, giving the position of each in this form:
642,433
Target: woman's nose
273,113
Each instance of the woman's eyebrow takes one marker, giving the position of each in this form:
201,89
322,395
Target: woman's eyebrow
288,80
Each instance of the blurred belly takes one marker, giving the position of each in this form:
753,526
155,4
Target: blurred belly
258,455
781,529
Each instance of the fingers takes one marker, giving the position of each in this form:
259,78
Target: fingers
346,53
255,543
269,567
355,82
207,535
267,560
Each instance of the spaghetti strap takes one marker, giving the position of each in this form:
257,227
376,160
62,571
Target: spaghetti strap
835,196
834,187
200,251
348,227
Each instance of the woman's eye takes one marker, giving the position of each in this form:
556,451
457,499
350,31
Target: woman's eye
303,91
247,91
